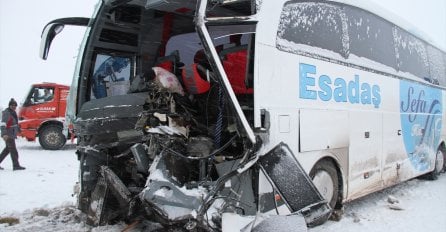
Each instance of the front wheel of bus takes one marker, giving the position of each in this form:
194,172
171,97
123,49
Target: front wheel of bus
325,178
439,166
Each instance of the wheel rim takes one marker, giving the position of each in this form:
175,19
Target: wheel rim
439,161
324,184
53,138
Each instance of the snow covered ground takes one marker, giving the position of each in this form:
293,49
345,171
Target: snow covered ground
41,198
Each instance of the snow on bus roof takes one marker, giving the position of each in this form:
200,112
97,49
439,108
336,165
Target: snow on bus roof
393,18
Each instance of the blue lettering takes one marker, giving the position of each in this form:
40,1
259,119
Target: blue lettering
366,96
324,84
376,96
305,81
414,105
353,90
409,93
339,90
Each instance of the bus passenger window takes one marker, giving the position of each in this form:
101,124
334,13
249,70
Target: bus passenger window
313,24
437,66
411,53
370,36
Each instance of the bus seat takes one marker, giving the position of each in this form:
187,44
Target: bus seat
194,83
169,62
167,65
234,62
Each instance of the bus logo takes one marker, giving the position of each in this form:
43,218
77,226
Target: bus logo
314,86
421,122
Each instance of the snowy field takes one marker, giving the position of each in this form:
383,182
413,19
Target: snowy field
40,197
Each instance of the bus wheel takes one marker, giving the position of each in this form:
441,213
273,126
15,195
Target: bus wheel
439,166
325,178
51,137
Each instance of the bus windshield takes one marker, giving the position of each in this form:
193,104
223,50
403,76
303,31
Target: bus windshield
128,40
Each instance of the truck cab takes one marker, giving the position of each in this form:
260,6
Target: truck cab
42,114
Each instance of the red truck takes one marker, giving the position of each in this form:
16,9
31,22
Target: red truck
42,115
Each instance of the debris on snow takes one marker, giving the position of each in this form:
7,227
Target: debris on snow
396,206
392,200
41,212
49,219
9,220
394,203
337,214
356,218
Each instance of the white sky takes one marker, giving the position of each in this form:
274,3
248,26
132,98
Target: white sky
22,21
21,24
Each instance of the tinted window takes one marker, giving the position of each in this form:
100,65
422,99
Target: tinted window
437,67
126,14
114,36
411,54
370,37
314,24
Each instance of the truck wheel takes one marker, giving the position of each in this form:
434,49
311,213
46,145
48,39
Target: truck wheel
51,137
439,166
325,178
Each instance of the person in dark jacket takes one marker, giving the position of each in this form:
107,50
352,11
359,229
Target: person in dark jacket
9,128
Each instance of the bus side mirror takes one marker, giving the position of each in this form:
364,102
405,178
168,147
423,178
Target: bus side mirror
55,27
49,32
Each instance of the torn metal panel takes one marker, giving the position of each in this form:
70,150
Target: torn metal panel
141,158
117,187
278,223
294,185
96,207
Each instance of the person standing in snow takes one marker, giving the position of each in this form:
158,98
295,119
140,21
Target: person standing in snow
9,128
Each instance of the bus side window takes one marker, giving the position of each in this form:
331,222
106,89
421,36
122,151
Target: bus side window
437,66
370,36
316,25
411,53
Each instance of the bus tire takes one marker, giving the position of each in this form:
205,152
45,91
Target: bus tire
325,178
51,137
439,166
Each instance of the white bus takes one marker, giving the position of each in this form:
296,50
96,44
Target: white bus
170,97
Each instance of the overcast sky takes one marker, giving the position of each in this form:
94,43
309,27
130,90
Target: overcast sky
22,21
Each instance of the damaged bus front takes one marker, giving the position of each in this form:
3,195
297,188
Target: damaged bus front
162,104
